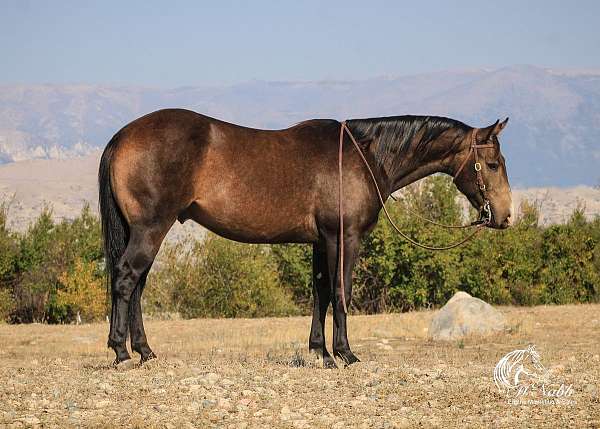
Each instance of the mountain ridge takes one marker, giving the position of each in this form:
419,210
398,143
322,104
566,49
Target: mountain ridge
552,137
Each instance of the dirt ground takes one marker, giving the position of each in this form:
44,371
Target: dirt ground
257,373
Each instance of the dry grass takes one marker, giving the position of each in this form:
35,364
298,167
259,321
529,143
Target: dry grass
237,373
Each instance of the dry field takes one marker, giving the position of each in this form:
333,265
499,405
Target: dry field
256,373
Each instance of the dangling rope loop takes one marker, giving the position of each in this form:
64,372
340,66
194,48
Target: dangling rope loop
485,213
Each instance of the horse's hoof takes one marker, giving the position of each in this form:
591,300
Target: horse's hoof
124,365
347,357
148,357
329,363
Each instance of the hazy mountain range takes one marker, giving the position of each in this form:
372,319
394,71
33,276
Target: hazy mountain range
553,137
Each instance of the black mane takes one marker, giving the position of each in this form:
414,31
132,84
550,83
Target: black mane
395,134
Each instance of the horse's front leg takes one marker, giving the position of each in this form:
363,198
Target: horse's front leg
341,347
321,300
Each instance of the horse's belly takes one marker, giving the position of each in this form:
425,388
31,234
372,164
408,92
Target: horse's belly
250,224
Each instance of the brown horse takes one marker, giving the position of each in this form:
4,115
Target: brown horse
259,186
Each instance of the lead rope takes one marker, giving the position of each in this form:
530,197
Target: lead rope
478,226
341,212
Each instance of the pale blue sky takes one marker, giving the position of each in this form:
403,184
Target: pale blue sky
177,43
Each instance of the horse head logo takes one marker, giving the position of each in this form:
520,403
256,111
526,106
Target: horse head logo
519,368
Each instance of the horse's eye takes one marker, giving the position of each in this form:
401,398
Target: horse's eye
493,165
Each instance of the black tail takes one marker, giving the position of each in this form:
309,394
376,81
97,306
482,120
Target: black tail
115,230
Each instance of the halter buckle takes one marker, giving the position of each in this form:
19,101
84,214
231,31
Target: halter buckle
477,166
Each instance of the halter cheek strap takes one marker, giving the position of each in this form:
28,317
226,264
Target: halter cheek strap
477,165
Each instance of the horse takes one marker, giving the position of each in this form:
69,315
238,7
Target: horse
512,369
276,186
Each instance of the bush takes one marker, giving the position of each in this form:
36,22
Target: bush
44,253
217,278
294,270
82,292
52,272
524,265
7,305
8,252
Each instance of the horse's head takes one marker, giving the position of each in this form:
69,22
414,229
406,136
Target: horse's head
480,174
533,357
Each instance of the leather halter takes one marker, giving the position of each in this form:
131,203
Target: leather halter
478,224
477,165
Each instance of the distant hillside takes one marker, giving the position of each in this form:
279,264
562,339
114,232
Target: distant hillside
66,185
552,139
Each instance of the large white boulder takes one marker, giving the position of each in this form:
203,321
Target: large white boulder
464,316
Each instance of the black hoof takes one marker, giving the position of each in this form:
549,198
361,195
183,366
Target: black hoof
347,357
148,357
328,361
120,351
121,362
144,350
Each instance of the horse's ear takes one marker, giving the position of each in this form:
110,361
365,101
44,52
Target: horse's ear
494,130
488,132
499,126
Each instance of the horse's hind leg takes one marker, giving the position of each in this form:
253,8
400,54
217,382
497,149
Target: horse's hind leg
142,247
139,343
321,300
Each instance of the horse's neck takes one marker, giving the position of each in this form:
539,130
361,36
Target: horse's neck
407,177
397,168
415,167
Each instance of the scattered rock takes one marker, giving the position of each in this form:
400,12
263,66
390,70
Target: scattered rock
193,407
105,387
207,403
102,404
126,365
224,404
211,378
591,389
31,421
402,422
227,382
463,316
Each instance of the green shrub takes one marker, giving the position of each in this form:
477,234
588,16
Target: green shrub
7,304
46,251
294,269
52,271
82,292
217,278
